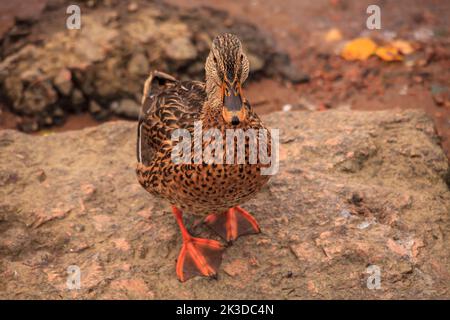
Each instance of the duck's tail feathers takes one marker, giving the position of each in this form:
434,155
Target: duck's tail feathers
155,80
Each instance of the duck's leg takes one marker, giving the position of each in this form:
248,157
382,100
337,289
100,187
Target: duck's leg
197,256
233,223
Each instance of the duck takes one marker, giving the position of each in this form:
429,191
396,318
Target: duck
211,190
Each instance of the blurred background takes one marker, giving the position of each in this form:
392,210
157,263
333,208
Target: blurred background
305,56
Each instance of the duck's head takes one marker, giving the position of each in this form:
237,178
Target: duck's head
227,69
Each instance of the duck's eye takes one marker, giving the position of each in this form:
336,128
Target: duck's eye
214,59
242,57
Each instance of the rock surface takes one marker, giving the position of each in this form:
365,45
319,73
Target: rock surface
354,190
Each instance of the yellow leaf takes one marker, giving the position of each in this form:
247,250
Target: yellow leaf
359,49
332,35
403,46
389,53
46,133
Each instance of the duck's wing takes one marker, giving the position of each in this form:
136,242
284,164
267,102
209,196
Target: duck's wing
167,104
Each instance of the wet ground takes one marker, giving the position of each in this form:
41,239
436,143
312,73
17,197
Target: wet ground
300,27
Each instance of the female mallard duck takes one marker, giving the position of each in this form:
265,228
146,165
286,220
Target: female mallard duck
201,187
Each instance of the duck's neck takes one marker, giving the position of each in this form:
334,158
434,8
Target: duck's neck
212,108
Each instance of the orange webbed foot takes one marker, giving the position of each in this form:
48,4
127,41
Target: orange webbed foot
233,223
199,257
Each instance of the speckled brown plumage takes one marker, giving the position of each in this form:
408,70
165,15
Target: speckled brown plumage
197,188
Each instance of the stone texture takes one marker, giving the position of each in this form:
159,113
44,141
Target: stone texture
108,59
354,189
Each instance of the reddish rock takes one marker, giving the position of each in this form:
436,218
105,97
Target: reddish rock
307,252
235,267
121,244
102,222
324,217
146,213
397,248
132,288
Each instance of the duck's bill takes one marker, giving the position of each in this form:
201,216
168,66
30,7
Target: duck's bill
233,106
